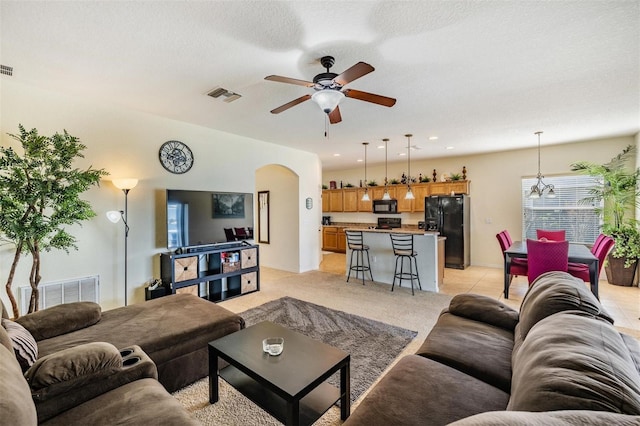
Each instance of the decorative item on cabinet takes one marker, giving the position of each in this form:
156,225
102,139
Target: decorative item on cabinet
332,184
435,175
464,173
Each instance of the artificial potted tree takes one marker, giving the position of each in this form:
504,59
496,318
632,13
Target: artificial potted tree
617,188
40,197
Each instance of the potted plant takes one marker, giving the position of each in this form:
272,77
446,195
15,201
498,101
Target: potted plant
617,188
40,197
393,181
455,177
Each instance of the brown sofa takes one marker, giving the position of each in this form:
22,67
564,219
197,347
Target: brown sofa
558,361
110,367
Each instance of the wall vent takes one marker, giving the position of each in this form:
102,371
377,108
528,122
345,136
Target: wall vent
85,289
226,94
6,70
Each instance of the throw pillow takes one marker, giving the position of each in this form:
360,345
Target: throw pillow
24,345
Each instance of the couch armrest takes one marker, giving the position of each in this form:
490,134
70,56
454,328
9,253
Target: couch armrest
70,377
484,309
61,319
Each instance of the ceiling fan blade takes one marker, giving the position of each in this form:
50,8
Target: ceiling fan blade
353,73
369,97
288,80
290,104
334,116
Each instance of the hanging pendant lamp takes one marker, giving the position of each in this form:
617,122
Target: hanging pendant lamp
409,194
365,196
538,190
386,195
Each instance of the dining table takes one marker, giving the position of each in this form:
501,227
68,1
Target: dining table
578,253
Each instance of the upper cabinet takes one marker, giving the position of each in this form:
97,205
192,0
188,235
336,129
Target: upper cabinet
350,199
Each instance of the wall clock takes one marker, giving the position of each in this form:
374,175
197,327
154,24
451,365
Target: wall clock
176,157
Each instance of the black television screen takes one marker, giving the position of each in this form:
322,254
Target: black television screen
205,217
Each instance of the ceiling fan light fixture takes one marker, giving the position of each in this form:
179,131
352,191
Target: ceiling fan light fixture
327,99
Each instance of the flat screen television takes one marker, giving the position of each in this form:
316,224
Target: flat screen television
196,218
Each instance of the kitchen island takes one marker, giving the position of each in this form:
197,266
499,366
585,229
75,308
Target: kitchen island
430,258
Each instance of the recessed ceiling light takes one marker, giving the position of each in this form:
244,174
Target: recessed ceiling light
380,146
359,160
336,155
401,154
433,138
449,147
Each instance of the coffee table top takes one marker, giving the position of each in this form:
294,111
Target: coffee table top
302,362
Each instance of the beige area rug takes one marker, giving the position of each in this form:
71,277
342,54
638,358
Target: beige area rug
373,300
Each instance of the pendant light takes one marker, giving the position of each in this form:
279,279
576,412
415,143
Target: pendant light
409,194
538,190
365,196
386,195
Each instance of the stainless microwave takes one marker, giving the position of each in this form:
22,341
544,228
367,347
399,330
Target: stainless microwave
385,206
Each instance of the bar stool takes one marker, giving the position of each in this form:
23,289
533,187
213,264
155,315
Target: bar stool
403,249
357,247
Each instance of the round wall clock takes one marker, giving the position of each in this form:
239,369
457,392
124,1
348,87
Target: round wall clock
176,157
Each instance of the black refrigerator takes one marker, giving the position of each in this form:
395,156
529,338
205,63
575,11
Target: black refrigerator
449,215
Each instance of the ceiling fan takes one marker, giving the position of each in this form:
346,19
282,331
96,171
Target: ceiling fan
330,91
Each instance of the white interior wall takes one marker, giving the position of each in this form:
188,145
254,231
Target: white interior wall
126,143
495,185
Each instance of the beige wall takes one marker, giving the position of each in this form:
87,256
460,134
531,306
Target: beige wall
495,186
126,144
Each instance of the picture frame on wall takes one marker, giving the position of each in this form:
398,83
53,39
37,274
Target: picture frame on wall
227,205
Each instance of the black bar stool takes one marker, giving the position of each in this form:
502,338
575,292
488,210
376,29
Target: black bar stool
357,247
403,249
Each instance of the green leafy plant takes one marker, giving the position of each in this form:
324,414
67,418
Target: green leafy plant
617,188
393,181
348,185
455,176
424,179
40,197
325,187
372,183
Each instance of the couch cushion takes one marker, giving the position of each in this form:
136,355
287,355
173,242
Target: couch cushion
16,405
24,345
575,361
552,418
71,368
143,402
484,309
473,347
61,319
556,292
419,391
5,340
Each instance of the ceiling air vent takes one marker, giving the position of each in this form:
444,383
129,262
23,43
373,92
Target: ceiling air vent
227,96
6,70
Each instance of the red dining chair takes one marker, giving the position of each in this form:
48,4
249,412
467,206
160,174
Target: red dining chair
241,233
518,266
600,249
545,256
552,235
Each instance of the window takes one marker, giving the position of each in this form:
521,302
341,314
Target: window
581,222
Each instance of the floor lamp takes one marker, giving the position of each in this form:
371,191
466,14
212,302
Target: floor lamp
125,184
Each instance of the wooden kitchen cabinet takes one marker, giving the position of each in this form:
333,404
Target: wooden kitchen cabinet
325,200
334,239
336,200
420,192
377,192
364,206
404,205
350,200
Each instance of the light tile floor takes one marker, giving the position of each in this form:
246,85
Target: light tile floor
622,303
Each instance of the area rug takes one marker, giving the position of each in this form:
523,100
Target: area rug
373,345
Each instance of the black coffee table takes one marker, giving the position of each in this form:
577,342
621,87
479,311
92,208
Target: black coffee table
291,386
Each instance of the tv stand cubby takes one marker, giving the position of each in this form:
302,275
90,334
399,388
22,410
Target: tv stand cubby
213,273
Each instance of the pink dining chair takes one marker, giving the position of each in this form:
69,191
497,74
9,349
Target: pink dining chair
518,266
545,256
552,235
600,249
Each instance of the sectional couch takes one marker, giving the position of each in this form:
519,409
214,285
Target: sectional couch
105,368
558,361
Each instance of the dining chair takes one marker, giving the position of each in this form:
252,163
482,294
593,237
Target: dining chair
545,256
241,233
600,249
518,266
551,235
228,232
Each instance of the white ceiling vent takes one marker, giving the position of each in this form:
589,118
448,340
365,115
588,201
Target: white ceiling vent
6,70
227,96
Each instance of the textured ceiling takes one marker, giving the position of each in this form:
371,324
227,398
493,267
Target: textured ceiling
480,75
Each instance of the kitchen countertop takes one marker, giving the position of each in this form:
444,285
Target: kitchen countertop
392,230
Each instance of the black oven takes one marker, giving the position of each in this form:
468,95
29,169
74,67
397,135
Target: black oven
385,206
